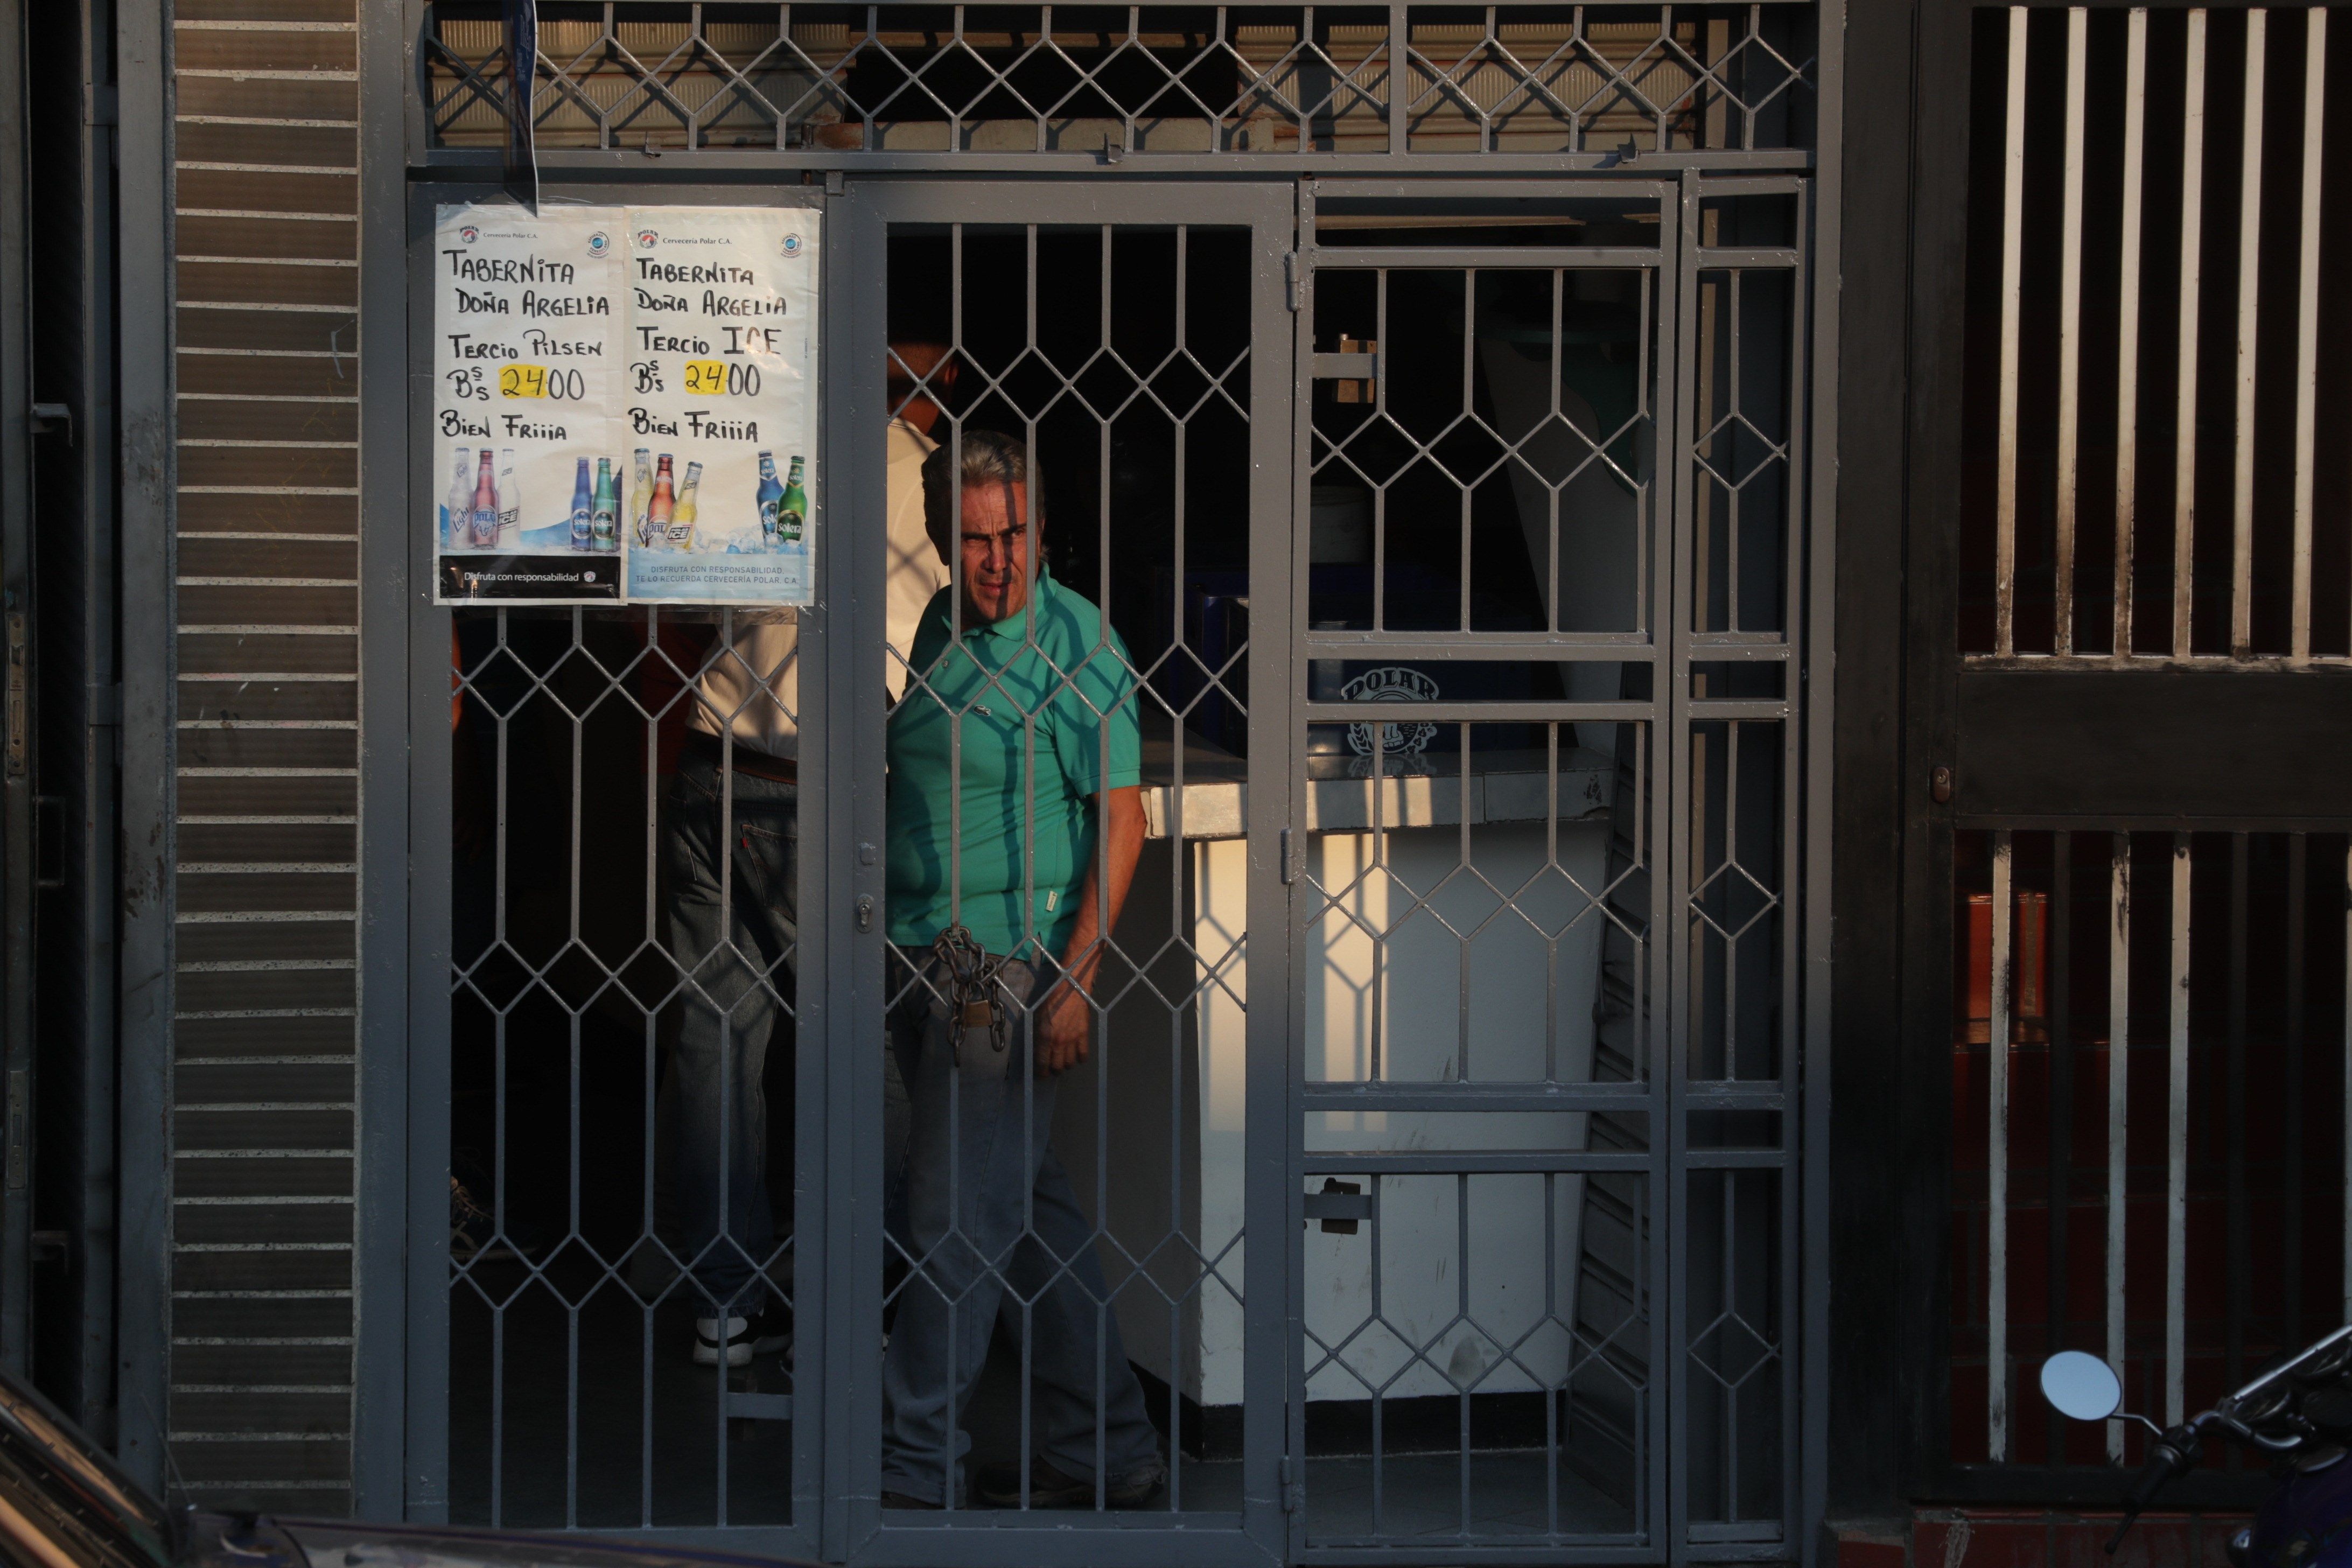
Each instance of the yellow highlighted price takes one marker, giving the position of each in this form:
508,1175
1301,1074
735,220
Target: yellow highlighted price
538,381
718,378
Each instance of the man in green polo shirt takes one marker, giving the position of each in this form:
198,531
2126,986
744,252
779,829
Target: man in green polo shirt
1017,819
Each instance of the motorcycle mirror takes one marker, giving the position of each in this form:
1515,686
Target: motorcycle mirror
2081,1386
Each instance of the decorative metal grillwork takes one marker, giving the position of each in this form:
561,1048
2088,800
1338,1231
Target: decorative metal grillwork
1569,436
574,1401
1155,78
1118,360
1531,791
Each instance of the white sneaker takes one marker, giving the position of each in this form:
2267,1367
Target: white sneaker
745,1337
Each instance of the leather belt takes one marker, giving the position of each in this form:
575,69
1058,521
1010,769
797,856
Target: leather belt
758,764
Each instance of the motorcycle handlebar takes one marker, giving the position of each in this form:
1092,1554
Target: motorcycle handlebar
2174,1455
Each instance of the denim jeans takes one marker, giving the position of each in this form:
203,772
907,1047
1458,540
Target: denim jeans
732,944
987,1209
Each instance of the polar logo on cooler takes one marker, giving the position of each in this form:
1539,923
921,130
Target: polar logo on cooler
1390,683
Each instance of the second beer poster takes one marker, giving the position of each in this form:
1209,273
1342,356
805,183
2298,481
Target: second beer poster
668,454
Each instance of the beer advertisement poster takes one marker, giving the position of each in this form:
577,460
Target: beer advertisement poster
623,404
719,403
530,341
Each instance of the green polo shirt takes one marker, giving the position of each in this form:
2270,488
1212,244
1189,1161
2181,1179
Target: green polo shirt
1046,694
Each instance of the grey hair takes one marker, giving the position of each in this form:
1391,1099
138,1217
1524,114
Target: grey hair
990,458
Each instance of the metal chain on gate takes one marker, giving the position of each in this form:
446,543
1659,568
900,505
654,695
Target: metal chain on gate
975,999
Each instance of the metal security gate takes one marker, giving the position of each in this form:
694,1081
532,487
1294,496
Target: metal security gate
1132,341
1455,547
1527,1054
1546,854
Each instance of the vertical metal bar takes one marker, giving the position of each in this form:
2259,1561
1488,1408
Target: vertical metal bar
649,1075
142,43
97,437
2118,1099
1728,1266
1733,386
428,846
16,885
650,1087
2192,235
2235,1112
846,1430
499,1408
2070,331
2012,254
2306,322
2346,1108
1657,796
1469,372
1553,1307
1399,51
2176,1157
2290,1197
1467,1310
1997,1158
2127,326
1378,1275
2058,933
1272,1231
1379,507
1683,564
2250,256
1825,205
401,733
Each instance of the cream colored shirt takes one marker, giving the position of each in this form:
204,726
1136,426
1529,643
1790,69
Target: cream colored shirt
756,680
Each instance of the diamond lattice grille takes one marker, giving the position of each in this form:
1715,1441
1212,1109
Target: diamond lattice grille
1159,78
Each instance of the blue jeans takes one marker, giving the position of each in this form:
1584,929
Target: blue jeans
987,1209
733,946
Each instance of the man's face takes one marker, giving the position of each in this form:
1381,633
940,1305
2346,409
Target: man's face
995,547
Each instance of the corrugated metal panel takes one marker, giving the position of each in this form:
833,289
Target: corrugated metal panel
267,196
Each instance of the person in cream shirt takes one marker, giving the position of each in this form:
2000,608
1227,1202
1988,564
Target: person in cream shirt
733,935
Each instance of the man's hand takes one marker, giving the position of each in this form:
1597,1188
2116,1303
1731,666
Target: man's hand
1065,1025
1064,1018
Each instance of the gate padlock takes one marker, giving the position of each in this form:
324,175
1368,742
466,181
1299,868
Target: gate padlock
975,1015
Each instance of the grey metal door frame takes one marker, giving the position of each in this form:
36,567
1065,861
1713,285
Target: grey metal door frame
855,1529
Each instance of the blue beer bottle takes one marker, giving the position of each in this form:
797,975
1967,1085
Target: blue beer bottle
583,511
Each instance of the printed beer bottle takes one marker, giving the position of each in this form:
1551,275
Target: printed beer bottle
603,519
792,530
641,496
510,496
584,509
482,518
771,500
455,505
657,509
682,535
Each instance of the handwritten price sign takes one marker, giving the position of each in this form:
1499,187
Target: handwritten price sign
538,381
721,378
